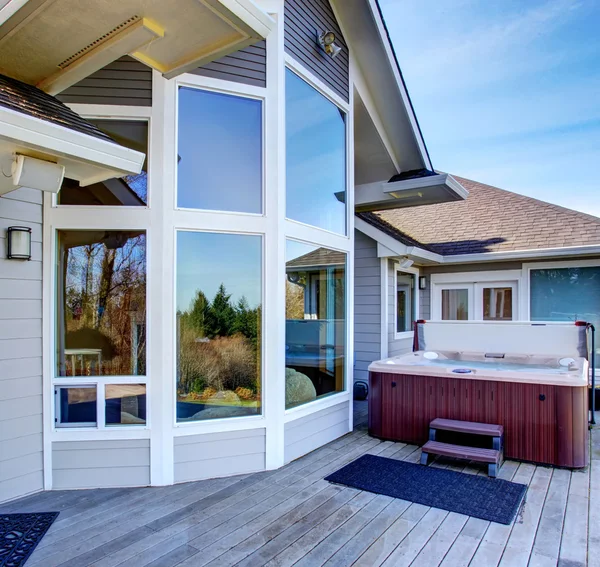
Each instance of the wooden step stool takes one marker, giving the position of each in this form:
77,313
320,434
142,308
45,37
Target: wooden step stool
492,457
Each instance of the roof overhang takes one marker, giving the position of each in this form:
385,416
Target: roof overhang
429,190
86,159
171,38
389,247
380,84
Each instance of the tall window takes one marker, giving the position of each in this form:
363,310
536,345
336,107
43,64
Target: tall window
315,322
316,157
566,294
101,326
405,301
219,325
219,152
130,190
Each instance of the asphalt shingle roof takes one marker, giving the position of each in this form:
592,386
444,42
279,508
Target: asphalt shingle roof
318,257
489,220
32,101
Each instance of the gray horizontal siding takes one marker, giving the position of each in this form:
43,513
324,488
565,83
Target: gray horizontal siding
122,82
302,20
101,464
214,455
21,448
425,300
248,66
367,302
307,433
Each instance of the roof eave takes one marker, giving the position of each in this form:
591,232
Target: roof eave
94,159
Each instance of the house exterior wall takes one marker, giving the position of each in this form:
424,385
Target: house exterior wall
219,454
125,82
302,21
367,305
21,447
101,464
248,66
307,433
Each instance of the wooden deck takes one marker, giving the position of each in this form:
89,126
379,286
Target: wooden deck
293,517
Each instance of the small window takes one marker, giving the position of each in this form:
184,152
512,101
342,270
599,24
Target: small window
125,404
219,152
130,190
497,303
76,406
405,302
455,304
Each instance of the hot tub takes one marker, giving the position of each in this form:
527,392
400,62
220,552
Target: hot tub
540,400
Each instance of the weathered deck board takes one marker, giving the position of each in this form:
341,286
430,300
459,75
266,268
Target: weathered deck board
291,516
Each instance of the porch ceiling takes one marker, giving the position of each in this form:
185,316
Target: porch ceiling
55,43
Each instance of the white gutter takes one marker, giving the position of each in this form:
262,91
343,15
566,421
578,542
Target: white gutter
592,249
112,159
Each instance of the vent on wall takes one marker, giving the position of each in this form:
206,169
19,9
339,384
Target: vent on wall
103,38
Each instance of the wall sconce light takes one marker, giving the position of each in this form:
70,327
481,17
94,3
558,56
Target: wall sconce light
19,243
327,42
422,282
406,263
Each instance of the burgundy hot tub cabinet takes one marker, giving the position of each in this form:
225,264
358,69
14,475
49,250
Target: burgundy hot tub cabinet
543,423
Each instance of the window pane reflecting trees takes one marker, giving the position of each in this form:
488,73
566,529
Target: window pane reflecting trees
219,325
101,303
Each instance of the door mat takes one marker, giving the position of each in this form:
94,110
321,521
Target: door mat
20,534
481,497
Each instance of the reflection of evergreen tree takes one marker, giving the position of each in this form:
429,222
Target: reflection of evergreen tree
221,318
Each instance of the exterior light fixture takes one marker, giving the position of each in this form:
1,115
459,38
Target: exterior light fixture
406,263
19,243
422,282
327,42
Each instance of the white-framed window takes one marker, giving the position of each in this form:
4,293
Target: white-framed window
406,301
476,296
97,246
564,291
318,229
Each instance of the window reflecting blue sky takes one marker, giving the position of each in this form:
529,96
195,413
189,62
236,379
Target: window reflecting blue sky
316,157
207,259
219,152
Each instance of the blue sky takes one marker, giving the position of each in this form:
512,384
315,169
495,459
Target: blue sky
507,92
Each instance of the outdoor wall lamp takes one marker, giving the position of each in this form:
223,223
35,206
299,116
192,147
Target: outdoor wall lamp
19,243
406,263
422,282
37,174
326,41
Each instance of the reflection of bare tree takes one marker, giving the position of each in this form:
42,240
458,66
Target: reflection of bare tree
105,301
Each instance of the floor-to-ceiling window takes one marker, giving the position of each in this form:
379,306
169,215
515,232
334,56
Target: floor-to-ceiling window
218,273
316,256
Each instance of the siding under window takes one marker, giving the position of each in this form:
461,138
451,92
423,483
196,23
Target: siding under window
248,66
304,19
123,82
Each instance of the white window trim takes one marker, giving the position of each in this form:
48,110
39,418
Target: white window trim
415,297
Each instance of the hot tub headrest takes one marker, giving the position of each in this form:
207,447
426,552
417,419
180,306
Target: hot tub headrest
565,339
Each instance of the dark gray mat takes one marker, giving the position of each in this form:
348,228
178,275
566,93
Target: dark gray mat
478,496
19,535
